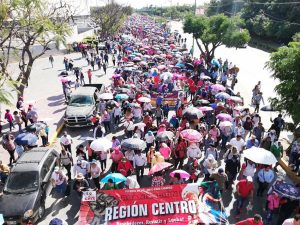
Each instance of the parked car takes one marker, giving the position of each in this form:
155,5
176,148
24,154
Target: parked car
28,185
83,103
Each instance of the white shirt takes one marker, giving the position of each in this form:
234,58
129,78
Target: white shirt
289,221
66,140
117,111
137,112
193,151
238,144
149,138
58,178
103,155
249,170
147,106
139,160
65,159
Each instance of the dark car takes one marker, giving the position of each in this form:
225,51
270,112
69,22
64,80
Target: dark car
28,185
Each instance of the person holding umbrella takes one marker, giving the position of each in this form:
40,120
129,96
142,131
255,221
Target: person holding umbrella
176,179
95,172
158,180
110,185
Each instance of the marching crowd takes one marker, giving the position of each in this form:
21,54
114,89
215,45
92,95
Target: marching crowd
203,133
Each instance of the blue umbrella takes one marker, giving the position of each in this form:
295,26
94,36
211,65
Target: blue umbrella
116,177
213,105
26,139
121,96
215,62
181,65
222,96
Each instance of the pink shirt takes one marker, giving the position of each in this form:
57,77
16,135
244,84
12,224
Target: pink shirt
116,157
273,202
214,134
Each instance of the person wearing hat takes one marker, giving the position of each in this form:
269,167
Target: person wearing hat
95,172
80,184
81,167
210,164
252,142
244,190
58,180
232,164
221,178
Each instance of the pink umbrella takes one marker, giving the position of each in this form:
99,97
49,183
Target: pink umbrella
169,56
218,87
183,174
161,67
179,77
224,117
191,135
116,75
225,124
159,167
205,108
172,46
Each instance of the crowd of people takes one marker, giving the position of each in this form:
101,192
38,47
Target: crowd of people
202,131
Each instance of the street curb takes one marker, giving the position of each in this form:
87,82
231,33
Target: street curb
57,132
289,172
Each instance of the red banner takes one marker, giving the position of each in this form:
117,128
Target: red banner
173,204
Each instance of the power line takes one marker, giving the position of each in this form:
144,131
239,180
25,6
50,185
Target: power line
253,3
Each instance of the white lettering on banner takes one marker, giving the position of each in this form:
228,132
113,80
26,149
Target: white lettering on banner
141,210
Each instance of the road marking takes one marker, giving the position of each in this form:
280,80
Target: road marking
57,132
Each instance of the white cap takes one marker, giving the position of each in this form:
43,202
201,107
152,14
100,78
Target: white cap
249,179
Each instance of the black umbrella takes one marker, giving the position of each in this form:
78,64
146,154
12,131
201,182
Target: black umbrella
165,136
133,144
269,108
192,113
111,104
189,65
151,63
36,126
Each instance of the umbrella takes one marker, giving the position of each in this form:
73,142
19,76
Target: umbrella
36,126
165,136
111,103
116,177
218,87
139,125
106,96
137,59
183,174
204,77
191,135
205,108
203,102
268,108
260,156
159,167
172,46
192,113
166,75
133,144
151,63
121,96
101,144
224,117
26,139
222,96
144,99
161,67
236,99
189,65
116,75
181,65
225,124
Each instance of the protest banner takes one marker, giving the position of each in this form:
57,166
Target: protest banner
184,204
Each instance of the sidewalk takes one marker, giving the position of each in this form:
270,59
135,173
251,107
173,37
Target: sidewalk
45,92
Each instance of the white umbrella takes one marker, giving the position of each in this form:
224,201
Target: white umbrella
101,144
260,156
106,96
144,99
139,125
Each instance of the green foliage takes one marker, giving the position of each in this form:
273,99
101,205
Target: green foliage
296,37
172,12
110,18
285,65
227,7
215,31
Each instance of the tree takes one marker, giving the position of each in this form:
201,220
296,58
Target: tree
285,65
29,23
272,21
110,18
228,7
216,31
